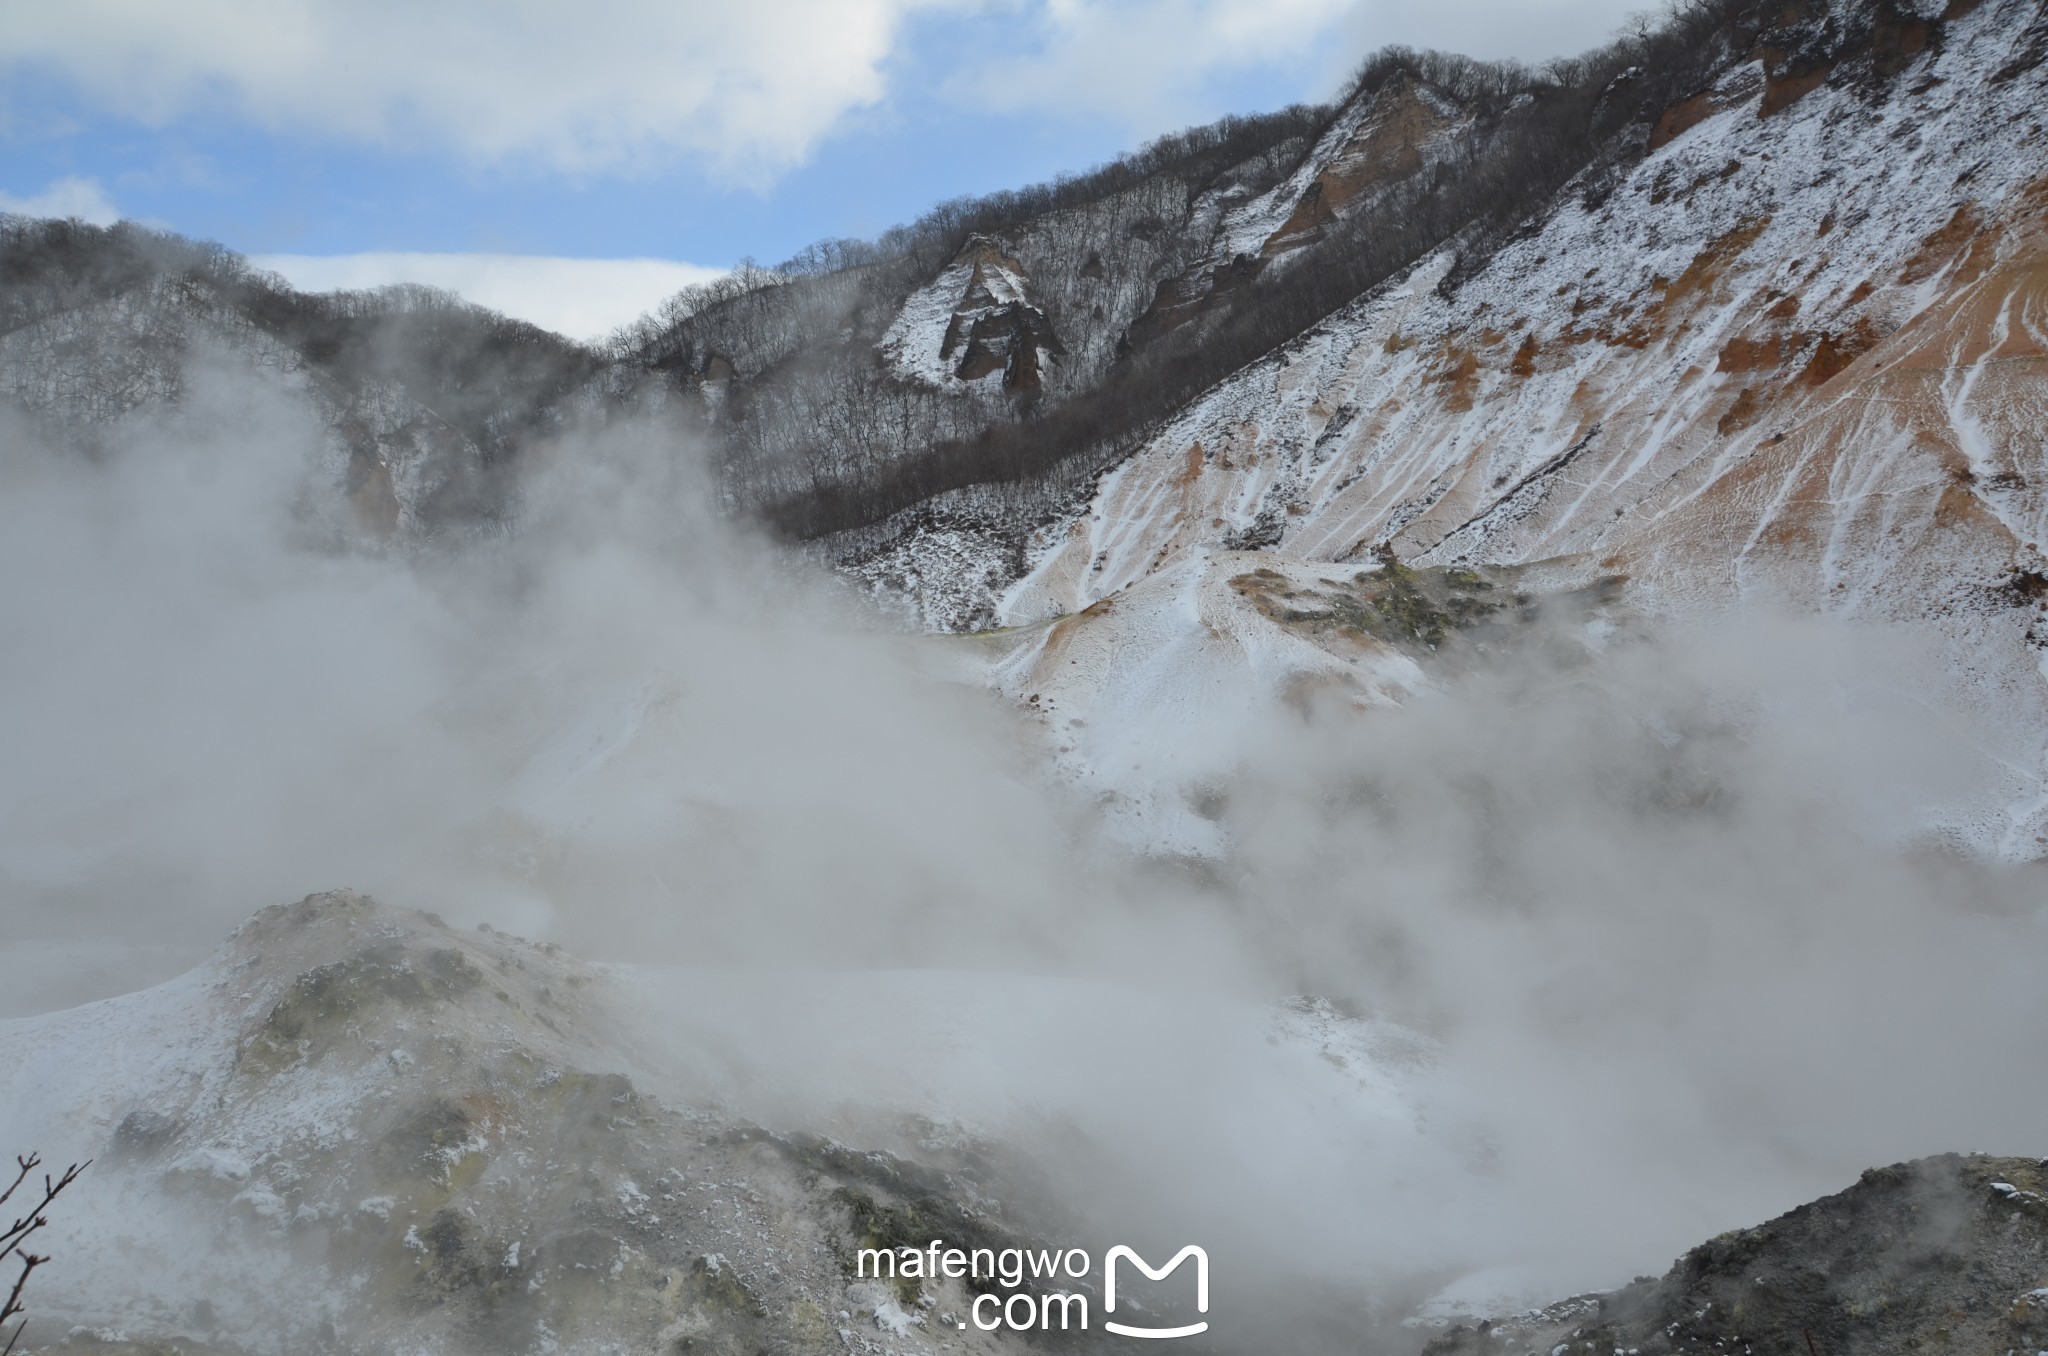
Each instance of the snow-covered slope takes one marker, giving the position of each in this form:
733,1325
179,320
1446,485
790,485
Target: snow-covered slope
975,322
82,374
1150,698
1376,140
1797,354
354,1128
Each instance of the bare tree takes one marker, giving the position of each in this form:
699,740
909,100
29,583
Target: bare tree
17,1235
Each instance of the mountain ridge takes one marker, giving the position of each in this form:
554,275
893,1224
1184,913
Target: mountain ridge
1745,309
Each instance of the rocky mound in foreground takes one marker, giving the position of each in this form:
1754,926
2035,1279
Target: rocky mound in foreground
359,1130
1940,1254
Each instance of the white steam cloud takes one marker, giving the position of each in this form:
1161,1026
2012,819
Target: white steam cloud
1647,900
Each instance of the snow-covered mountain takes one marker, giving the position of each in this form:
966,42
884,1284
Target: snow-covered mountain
1793,354
1329,516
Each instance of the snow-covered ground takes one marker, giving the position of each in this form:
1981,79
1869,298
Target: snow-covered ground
284,1131
1793,360
980,281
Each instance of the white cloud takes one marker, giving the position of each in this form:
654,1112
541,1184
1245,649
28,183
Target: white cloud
746,88
1151,62
69,197
582,298
1522,30
749,87
1144,61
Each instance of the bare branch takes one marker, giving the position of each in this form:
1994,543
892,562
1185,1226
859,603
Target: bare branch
20,1232
28,1165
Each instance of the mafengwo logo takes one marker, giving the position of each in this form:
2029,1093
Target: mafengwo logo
1201,1289
1025,1311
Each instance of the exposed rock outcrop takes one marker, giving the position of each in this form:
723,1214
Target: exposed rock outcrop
1940,1254
989,327
358,1130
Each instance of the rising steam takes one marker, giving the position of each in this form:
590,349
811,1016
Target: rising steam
1671,905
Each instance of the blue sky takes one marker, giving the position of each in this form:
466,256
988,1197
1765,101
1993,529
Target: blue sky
366,134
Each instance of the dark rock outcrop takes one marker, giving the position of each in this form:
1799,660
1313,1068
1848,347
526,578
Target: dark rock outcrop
1940,1254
